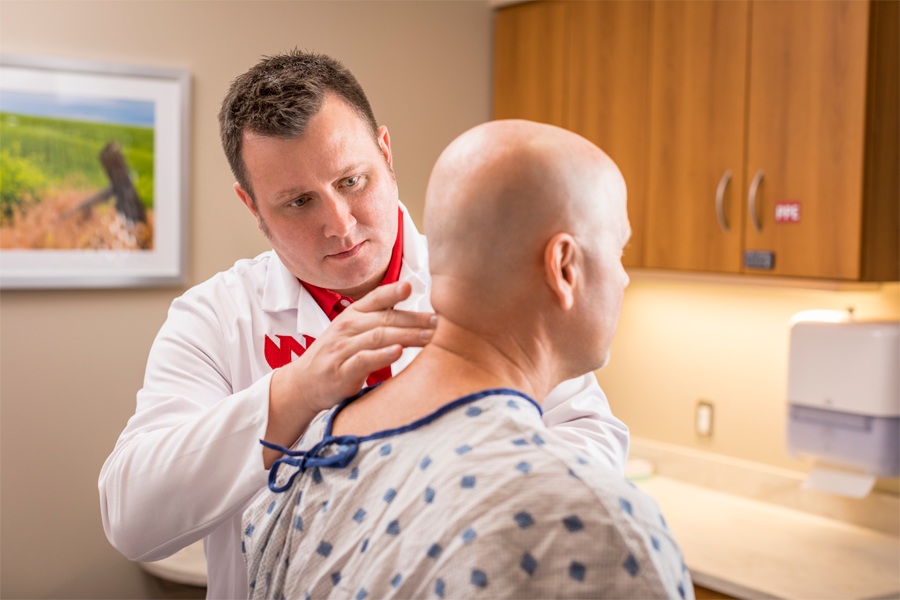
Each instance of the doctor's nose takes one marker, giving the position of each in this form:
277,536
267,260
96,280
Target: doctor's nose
339,220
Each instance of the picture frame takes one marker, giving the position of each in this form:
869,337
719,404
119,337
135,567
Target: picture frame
94,172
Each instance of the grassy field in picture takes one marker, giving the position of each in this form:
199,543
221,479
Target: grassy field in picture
49,165
42,154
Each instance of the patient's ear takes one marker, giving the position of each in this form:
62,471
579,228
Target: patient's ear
561,268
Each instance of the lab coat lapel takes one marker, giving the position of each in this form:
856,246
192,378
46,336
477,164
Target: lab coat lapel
282,291
414,268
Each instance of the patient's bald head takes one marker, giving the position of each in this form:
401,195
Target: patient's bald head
527,221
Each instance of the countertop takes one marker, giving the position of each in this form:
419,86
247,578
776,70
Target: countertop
752,549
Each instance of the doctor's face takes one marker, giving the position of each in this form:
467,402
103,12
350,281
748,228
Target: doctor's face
327,201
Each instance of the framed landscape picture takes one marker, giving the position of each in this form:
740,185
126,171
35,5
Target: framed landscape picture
93,174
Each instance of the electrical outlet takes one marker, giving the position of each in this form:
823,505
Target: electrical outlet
703,418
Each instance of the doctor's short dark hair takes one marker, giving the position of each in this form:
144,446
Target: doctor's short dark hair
278,97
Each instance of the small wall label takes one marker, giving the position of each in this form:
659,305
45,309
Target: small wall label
787,212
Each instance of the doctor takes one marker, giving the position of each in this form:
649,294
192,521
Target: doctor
256,352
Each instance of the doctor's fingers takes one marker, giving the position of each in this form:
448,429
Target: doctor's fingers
383,297
365,362
381,337
366,321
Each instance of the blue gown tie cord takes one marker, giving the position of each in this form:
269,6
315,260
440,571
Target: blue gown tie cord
347,447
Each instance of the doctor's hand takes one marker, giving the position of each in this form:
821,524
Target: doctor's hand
367,336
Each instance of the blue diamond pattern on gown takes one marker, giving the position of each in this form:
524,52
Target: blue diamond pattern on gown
463,449
390,494
681,589
249,531
631,565
524,467
513,404
298,523
324,548
538,440
473,411
663,521
361,594
385,450
429,495
325,506
335,578
359,516
299,496
317,475
425,462
528,564
468,535
573,523
655,542
468,481
434,551
243,547
520,442
479,578
576,571
396,580
271,508
523,520
626,505
354,474
393,527
365,545
439,588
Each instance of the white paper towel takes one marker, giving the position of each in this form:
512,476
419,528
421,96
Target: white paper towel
842,483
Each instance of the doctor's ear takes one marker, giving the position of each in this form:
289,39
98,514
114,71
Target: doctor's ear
384,144
561,268
248,202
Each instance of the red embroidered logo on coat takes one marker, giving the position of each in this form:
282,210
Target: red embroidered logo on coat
278,355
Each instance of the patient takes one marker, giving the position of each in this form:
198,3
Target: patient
444,481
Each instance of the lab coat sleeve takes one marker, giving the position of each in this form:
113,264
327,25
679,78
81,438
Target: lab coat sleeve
578,411
190,458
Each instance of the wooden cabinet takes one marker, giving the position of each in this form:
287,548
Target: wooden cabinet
694,214
806,135
701,593
530,55
717,112
583,66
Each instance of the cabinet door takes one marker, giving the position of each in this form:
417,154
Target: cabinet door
530,53
608,94
698,111
806,130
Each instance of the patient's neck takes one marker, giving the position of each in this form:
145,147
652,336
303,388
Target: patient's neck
456,363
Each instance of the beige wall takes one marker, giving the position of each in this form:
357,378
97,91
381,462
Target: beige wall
680,340
71,361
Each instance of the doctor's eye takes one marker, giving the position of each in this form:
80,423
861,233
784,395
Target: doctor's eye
299,201
351,181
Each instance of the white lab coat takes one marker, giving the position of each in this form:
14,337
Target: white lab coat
189,461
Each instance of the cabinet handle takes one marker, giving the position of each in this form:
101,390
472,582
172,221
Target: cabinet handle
754,186
720,193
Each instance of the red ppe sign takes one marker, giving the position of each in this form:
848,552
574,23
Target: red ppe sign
787,212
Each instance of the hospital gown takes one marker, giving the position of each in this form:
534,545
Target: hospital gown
477,500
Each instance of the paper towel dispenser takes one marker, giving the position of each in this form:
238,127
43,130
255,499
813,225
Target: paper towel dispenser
844,395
